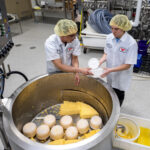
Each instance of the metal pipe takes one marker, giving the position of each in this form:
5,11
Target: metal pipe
137,17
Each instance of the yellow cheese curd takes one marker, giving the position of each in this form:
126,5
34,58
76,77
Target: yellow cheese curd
63,142
57,142
91,133
71,141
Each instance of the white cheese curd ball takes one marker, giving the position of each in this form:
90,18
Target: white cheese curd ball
50,120
71,133
82,126
96,122
57,132
66,121
29,129
43,132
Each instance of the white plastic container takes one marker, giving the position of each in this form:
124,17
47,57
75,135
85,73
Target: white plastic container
93,63
129,145
97,72
131,128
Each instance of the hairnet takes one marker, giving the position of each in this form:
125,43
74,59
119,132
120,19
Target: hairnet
122,22
65,27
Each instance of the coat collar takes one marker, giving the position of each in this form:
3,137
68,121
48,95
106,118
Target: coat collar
123,38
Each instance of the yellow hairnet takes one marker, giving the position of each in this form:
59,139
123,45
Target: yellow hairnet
122,22
65,27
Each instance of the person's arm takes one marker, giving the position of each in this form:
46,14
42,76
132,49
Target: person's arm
115,69
67,68
63,67
75,62
103,59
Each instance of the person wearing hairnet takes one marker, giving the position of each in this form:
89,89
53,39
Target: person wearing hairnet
63,48
120,54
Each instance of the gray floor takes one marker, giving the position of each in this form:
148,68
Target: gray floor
32,63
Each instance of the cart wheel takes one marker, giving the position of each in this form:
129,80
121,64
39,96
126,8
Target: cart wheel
84,50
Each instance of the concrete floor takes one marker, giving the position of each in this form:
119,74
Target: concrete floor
31,62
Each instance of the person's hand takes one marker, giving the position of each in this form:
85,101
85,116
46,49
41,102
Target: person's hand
77,79
106,72
86,71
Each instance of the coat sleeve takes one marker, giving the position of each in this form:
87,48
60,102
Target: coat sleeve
132,54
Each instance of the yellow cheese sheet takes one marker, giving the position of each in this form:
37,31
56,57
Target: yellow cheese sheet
144,137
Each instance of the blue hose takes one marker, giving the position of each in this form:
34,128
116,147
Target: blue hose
99,21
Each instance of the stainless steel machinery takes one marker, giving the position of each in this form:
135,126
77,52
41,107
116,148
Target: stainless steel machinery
6,45
48,90
6,42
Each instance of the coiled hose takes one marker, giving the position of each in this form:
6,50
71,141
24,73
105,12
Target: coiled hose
99,21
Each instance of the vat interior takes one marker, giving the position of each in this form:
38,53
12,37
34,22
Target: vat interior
54,89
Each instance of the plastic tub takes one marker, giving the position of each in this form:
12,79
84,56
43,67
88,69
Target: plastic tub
132,130
129,145
142,47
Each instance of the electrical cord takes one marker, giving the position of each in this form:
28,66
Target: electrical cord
2,83
99,21
2,79
17,72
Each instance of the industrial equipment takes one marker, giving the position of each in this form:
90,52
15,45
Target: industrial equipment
6,45
49,90
6,42
40,93
138,11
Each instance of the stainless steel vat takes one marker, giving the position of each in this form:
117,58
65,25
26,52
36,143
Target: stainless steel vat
47,90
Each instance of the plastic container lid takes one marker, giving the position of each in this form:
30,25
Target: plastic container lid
97,72
93,63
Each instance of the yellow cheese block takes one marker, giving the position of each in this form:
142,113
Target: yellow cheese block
69,108
73,108
144,137
86,111
91,133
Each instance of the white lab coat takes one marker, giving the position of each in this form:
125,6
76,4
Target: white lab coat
122,52
56,49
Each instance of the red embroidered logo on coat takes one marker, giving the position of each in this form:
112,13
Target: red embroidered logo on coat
70,48
123,50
